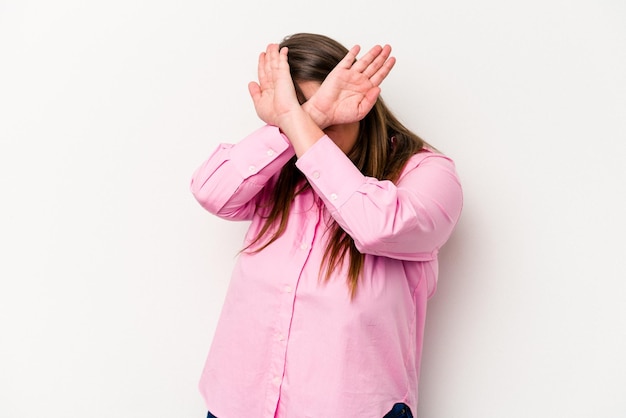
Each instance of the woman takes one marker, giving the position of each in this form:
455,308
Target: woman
324,315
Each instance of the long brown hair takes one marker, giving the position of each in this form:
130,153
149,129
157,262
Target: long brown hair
382,149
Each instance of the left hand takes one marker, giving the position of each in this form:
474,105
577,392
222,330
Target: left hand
351,89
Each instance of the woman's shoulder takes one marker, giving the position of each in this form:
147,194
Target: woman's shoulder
431,154
428,157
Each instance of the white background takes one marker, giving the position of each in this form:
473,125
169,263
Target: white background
112,277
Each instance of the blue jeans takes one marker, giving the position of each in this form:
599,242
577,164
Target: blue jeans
399,410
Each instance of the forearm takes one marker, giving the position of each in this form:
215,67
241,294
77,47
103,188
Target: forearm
409,220
301,130
226,183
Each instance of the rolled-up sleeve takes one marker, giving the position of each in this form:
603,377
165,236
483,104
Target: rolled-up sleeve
409,220
228,181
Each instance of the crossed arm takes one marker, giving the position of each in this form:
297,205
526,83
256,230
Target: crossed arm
409,220
346,96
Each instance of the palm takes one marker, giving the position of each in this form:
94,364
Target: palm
351,89
346,96
274,94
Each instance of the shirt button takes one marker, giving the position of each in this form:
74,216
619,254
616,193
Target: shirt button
304,246
270,152
281,337
252,169
288,289
276,380
316,174
333,197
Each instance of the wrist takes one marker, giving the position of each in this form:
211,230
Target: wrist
289,120
320,118
294,120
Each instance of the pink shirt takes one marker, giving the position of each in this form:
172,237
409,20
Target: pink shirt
288,345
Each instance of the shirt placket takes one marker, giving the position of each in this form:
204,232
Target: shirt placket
302,246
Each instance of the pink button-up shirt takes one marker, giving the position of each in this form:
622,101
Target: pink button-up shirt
288,344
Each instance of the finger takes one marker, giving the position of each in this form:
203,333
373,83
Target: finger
283,63
367,59
255,91
261,73
382,73
369,100
267,64
378,61
350,57
273,56
284,51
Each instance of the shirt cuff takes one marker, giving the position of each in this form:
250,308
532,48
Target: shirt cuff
264,147
330,172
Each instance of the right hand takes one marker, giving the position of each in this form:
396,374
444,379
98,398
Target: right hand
274,96
351,89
